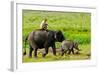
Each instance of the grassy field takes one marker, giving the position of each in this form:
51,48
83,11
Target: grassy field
75,26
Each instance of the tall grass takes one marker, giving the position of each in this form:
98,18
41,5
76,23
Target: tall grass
75,26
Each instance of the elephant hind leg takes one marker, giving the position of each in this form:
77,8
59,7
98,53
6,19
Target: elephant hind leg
62,53
69,51
33,47
30,52
35,52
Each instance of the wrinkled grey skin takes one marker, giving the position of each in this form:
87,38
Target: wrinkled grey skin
40,39
69,46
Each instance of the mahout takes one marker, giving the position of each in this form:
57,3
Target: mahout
41,39
44,24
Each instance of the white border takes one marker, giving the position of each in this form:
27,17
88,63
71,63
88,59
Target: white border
17,37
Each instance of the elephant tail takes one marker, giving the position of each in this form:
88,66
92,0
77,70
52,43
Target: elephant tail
25,45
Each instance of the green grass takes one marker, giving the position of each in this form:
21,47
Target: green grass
75,26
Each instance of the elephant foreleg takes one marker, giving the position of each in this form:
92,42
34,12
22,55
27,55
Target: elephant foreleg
54,50
45,52
72,50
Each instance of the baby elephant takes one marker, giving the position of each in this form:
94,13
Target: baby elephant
68,45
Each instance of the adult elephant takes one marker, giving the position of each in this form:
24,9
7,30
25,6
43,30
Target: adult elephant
43,39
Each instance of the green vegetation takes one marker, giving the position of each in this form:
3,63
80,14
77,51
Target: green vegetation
74,25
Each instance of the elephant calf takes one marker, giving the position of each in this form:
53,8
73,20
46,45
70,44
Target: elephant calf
69,46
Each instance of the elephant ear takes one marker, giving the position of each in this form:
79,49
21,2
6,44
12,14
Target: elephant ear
59,32
59,36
